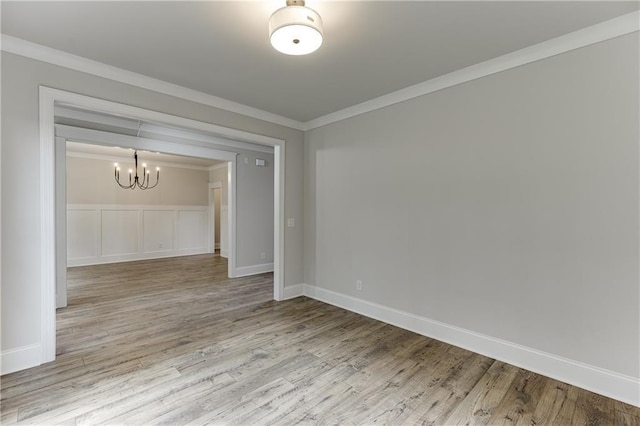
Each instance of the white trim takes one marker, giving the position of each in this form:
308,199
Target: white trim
217,167
112,158
605,382
177,133
48,97
78,63
48,227
151,207
141,128
171,250
61,223
278,226
99,137
606,30
231,219
211,216
133,257
20,358
92,117
293,291
244,271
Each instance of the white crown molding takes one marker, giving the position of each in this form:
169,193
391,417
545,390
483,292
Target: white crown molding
129,158
78,63
605,382
606,30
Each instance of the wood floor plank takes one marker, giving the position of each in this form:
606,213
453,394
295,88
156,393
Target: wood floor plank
478,407
174,341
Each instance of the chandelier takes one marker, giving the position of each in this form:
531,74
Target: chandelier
135,181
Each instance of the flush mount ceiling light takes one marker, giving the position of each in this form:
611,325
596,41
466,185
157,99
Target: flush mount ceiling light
295,29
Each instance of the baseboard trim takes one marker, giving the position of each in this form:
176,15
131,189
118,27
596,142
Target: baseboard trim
244,271
293,291
604,382
20,358
88,261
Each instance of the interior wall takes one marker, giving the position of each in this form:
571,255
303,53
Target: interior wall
91,181
21,78
507,205
255,209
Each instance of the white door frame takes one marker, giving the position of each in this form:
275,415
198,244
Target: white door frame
212,213
49,97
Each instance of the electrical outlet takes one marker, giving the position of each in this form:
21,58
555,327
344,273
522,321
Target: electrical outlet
291,222
160,245
263,255
246,160
358,285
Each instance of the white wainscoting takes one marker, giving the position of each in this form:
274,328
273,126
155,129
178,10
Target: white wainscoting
115,233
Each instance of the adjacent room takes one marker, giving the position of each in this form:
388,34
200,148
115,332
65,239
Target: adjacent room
320,212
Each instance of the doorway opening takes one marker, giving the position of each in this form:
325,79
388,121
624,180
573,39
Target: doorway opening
52,223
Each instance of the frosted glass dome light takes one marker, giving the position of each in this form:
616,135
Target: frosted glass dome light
295,29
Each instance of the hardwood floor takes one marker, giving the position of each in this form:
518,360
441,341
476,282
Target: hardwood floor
174,341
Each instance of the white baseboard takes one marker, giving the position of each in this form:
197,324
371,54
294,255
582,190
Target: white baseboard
244,271
86,261
293,291
224,253
20,358
604,382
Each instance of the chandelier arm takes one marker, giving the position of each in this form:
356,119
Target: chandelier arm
134,180
117,178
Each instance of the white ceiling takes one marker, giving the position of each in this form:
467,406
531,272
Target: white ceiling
371,48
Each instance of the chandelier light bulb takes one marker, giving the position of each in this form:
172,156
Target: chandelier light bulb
295,29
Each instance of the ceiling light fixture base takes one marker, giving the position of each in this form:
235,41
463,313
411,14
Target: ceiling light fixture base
295,29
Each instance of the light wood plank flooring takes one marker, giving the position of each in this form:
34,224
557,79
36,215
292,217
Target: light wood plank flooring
174,341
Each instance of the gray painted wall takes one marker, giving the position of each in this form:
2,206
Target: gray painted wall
507,206
20,251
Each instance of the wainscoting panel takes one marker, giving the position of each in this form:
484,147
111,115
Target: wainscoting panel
190,227
115,233
83,239
119,231
158,230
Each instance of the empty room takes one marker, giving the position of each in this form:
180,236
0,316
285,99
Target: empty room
320,212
